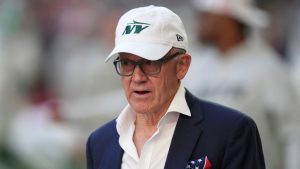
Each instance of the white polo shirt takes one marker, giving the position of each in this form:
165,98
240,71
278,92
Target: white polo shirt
155,150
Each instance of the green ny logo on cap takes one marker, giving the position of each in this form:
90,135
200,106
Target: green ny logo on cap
136,26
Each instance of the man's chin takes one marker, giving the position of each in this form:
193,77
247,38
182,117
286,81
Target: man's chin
141,108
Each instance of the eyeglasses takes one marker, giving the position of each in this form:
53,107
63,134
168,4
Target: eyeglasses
125,67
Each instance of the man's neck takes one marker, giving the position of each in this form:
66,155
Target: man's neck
146,126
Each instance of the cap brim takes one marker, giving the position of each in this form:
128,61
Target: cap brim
149,51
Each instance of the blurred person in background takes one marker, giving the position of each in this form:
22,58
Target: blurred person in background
293,47
240,70
19,60
39,135
27,33
82,36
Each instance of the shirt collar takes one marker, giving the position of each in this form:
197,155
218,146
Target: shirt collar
179,103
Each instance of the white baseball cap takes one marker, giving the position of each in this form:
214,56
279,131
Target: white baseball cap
149,32
243,10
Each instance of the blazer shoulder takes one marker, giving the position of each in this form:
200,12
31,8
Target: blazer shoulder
215,113
103,147
104,133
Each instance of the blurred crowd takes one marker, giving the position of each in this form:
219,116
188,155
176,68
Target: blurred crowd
55,88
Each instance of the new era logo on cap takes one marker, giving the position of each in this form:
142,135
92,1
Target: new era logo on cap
136,26
179,37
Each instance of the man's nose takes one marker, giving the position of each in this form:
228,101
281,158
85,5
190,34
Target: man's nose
138,74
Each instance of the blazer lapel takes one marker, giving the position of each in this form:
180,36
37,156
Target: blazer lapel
186,134
113,157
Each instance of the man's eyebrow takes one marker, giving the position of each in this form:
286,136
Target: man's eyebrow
130,60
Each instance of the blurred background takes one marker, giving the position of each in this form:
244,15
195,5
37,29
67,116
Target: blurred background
55,88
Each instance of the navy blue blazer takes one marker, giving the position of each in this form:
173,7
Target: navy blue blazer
228,138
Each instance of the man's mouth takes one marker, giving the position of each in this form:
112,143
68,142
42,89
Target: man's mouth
142,92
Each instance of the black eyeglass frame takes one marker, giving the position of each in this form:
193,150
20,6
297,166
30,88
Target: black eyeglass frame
143,61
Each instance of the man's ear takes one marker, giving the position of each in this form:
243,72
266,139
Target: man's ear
183,65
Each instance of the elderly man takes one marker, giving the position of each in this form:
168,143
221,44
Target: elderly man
164,125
